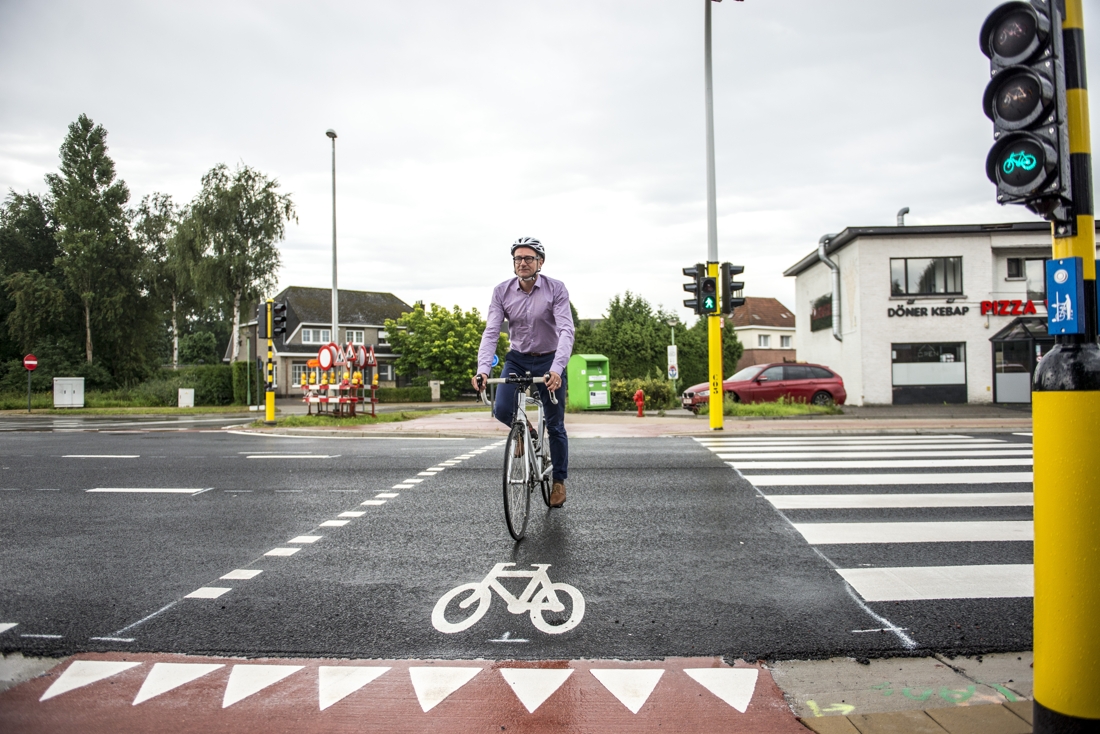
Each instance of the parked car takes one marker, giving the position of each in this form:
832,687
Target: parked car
762,383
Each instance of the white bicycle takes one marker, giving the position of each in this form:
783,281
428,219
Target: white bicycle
539,597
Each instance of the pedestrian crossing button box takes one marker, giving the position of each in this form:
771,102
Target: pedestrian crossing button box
589,382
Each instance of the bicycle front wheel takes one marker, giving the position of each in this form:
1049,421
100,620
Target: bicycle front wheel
517,495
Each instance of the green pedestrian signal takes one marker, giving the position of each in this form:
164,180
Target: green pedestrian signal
708,294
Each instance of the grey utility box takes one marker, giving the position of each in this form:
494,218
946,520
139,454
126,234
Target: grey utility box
68,392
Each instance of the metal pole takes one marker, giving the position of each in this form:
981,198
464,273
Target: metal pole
269,397
335,291
28,391
248,372
714,329
1066,417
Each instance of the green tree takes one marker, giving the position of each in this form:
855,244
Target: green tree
28,244
692,352
236,220
98,259
633,336
441,343
37,304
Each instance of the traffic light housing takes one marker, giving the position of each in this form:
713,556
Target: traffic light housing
278,318
731,287
708,295
261,321
697,273
1026,100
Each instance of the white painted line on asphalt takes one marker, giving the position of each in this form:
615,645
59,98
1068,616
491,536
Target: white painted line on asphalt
351,514
918,583
334,523
150,490
820,480
256,453
842,439
427,473
854,501
386,495
5,626
373,502
241,573
282,551
891,464
112,639
449,463
436,468
872,454
327,438
1022,434
208,592
290,456
832,449
830,533
403,486
466,456
44,637
288,490
46,489
306,539
412,480
100,456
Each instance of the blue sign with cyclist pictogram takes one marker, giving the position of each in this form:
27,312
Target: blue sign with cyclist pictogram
1065,296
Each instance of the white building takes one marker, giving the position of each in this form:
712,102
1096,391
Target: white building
952,313
766,329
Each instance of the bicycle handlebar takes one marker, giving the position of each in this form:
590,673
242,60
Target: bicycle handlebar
514,379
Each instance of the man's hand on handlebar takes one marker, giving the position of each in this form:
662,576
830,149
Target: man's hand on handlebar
478,381
553,381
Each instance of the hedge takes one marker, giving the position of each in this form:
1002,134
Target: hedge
404,394
658,393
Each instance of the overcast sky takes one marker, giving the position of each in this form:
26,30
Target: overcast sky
463,125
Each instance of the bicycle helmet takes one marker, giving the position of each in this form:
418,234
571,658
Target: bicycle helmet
532,243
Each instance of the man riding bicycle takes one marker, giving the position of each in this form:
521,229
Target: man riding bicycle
540,327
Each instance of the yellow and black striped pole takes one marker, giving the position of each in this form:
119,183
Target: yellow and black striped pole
714,359
269,395
1066,420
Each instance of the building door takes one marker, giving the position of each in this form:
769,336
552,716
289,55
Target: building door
928,373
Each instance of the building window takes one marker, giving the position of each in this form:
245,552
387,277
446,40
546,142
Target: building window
385,372
926,276
1035,271
763,340
297,369
355,337
316,336
1015,267
383,338
785,342
928,372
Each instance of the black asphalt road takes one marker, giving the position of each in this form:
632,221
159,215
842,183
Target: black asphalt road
673,552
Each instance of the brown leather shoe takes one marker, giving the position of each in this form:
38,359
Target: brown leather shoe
557,495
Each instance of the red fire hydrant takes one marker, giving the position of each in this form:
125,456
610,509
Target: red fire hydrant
639,400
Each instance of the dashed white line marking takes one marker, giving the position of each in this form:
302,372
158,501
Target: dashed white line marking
291,456
241,573
436,468
334,523
282,551
306,539
373,502
386,495
351,514
208,592
112,639
402,486
100,456
412,480
149,490
44,637
427,474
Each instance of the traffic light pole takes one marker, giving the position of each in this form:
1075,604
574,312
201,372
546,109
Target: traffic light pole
1066,418
714,327
269,395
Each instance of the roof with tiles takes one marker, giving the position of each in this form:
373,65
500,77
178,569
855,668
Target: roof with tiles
763,312
314,306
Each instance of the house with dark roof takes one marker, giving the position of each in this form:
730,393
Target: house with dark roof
766,329
309,327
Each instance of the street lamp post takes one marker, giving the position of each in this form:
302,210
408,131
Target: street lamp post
714,328
335,292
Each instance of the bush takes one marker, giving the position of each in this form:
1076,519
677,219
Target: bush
658,393
213,385
242,382
404,394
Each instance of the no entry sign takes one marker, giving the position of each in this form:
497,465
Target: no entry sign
30,362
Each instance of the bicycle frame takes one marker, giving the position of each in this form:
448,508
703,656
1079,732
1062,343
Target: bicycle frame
519,415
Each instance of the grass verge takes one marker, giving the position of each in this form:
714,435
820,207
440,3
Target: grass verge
779,409
315,421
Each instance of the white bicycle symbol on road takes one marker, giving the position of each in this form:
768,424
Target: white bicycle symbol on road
540,596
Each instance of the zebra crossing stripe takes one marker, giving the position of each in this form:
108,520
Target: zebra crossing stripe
929,499
833,533
918,583
872,454
820,480
891,464
856,440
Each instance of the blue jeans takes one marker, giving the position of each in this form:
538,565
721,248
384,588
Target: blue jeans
504,408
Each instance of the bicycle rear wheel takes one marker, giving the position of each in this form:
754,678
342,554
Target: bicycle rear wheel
517,495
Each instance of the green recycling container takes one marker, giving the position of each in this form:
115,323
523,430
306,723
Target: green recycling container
589,386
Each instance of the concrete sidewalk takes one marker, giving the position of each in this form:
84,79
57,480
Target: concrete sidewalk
600,424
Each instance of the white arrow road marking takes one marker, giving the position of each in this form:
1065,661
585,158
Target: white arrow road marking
337,683
532,686
5,626
631,686
244,680
82,673
432,685
166,676
735,686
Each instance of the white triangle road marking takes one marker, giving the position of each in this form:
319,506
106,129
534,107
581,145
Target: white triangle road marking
335,683
244,680
166,676
432,685
735,686
5,626
82,673
532,686
631,686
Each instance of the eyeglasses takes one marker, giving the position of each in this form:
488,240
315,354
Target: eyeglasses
525,259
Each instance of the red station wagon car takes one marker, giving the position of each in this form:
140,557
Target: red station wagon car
762,383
